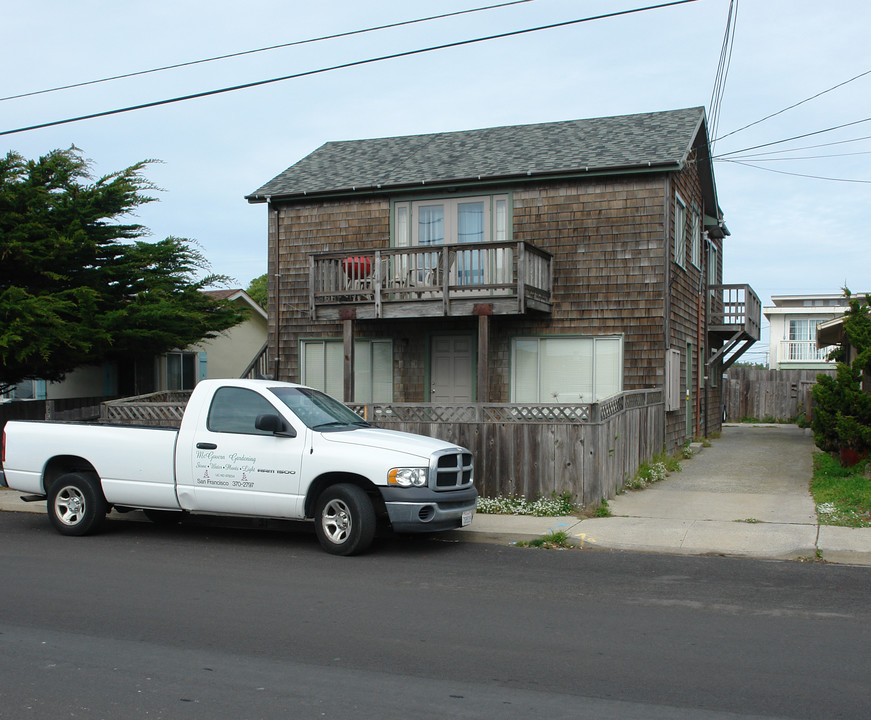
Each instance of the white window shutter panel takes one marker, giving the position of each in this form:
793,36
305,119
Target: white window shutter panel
672,380
203,361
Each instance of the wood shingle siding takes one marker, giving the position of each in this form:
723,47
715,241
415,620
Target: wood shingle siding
594,201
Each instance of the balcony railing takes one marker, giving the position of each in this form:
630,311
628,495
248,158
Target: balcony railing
510,278
735,308
803,351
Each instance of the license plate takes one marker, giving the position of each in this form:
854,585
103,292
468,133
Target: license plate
467,518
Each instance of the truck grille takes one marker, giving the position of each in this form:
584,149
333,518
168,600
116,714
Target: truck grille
454,469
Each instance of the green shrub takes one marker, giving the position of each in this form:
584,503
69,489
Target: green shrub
842,410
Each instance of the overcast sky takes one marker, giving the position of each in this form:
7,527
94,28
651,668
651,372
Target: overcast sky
790,234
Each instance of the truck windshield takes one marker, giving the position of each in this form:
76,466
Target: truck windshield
318,410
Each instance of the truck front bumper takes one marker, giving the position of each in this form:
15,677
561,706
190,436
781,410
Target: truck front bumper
423,510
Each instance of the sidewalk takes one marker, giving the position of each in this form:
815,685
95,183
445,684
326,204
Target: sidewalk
746,495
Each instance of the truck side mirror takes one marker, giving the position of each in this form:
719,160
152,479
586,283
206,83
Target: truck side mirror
274,424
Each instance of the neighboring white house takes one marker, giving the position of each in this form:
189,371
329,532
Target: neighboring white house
230,354
793,330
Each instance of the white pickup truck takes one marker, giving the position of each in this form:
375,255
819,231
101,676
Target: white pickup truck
253,448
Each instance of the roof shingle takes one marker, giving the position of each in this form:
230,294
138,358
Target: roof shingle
620,142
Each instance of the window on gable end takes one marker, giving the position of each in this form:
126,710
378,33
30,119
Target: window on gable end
696,239
680,231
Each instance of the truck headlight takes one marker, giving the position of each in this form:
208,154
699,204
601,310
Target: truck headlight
407,477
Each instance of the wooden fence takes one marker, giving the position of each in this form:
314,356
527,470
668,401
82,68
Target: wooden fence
587,450
157,409
779,395
69,409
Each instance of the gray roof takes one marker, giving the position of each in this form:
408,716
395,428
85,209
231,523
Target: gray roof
659,139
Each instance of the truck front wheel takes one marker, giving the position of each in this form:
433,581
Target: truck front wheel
344,520
76,505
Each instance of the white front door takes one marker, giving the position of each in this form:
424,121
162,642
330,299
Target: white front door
452,369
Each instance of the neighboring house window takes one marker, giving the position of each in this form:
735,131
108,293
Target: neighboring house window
181,370
680,231
802,340
566,369
696,240
322,367
27,390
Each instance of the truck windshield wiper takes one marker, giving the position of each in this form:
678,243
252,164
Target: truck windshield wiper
333,424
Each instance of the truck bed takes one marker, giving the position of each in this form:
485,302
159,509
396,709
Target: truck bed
135,464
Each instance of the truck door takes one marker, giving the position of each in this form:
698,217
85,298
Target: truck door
236,469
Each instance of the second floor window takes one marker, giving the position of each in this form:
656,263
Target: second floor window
450,221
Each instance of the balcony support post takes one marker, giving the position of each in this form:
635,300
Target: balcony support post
483,311
348,342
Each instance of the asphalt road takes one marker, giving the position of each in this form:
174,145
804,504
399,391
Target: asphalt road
210,622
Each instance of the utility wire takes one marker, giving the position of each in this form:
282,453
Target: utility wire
723,66
806,147
794,174
264,49
795,137
355,63
795,105
762,158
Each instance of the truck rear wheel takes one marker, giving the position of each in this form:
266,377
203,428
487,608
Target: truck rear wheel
344,520
76,505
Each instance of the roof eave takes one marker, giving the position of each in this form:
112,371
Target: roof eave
474,181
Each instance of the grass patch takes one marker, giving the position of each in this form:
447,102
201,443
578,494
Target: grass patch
658,468
552,541
602,510
842,494
771,420
553,506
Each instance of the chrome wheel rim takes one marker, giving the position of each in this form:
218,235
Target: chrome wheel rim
336,521
69,505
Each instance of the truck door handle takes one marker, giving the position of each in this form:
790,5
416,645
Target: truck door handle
206,446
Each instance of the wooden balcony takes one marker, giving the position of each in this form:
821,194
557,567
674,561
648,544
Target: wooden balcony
508,278
735,316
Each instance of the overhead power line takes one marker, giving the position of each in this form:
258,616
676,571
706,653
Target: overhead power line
803,147
723,66
724,156
265,49
795,174
762,158
355,63
795,105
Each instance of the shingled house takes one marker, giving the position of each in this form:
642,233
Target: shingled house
555,273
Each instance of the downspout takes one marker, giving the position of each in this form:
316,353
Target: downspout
701,364
704,280
276,288
666,325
